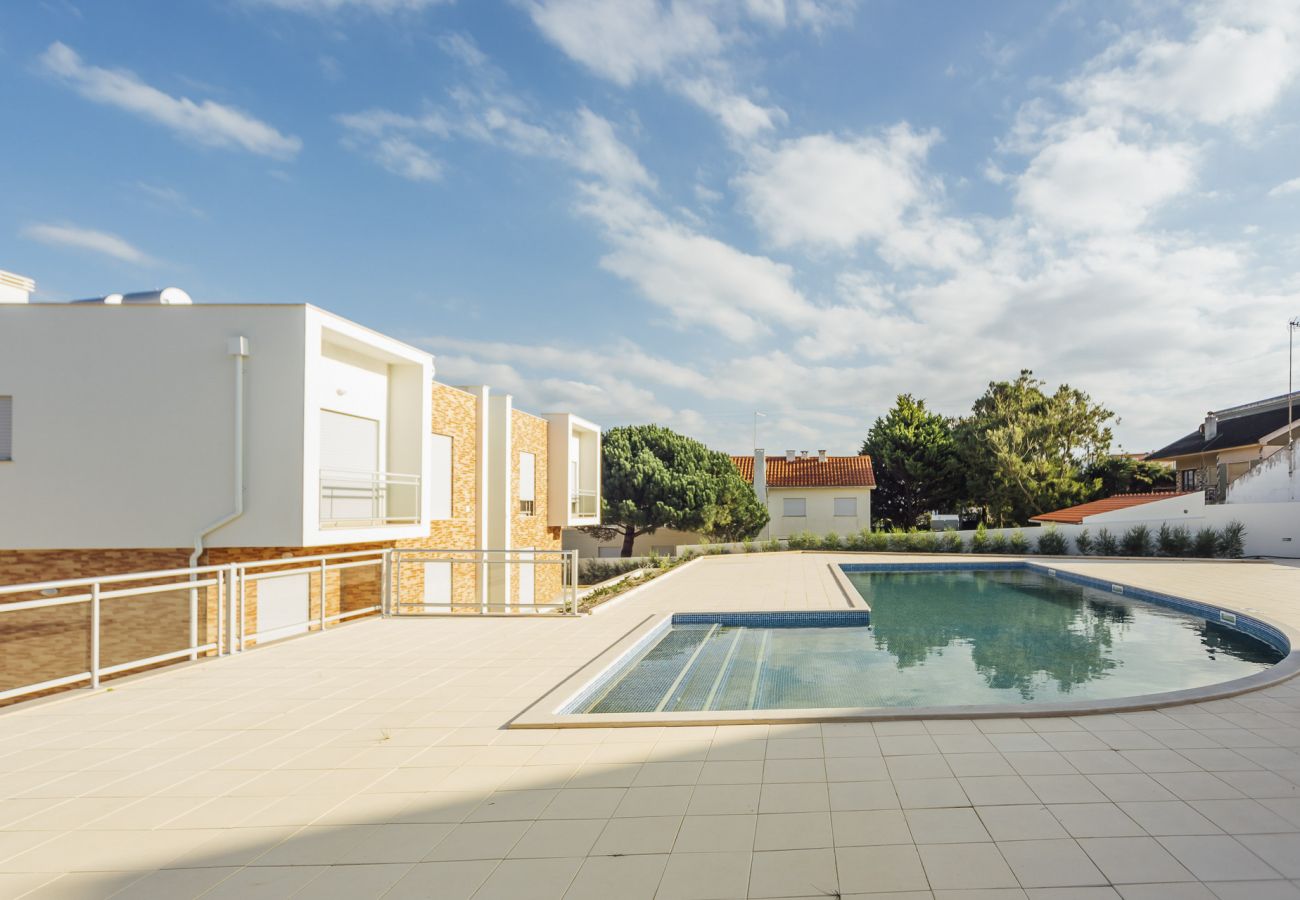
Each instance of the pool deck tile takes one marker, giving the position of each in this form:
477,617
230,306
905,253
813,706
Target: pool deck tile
372,762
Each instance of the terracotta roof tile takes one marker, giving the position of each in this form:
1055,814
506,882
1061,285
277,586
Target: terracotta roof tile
1074,515
836,471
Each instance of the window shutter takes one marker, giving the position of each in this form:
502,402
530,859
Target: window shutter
527,477
6,427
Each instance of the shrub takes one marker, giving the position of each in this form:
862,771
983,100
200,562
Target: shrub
979,541
1176,541
1136,541
877,541
772,546
804,540
856,540
831,541
747,546
1106,543
950,541
1051,542
1206,543
1232,543
1083,543
897,540
1018,543
999,544
922,542
598,570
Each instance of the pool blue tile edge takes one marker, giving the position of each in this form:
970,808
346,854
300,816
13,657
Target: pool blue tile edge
835,618
1239,621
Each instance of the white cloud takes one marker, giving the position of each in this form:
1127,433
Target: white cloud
406,160
1287,187
101,242
1092,180
1233,67
203,122
599,152
822,190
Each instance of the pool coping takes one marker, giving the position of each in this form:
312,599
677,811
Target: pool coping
546,712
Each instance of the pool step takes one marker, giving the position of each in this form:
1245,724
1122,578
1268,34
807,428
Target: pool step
656,673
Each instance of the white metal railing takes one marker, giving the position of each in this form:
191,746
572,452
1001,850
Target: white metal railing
212,606
583,503
356,499
481,582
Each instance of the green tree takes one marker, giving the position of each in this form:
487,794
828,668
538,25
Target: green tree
653,477
1123,475
914,457
1024,451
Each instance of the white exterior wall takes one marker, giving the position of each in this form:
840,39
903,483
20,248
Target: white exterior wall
820,507
571,443
664,541
1276,480
124,421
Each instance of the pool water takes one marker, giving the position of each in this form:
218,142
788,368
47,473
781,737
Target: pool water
940,638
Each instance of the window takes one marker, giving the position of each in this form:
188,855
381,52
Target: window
846,506
527,483
6,428
792,507
1188,477
440,477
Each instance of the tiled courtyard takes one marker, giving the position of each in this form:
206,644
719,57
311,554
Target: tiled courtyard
372,762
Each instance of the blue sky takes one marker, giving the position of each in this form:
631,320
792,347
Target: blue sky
686,212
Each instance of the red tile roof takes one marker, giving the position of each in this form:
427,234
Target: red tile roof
1074,515
836,471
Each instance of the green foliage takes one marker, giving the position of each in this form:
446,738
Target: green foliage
877,541
597,570
1206,543
1106,543
772,546
1084,543
1232,542
1124,475
653,477
1136,541
1051,542
804,540
1024,451
831,541
856,540
998,543
1176,541
922,542
1018,543
950,541
914,457
979,541
897,540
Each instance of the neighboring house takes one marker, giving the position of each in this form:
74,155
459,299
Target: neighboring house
1230,443
145,432
1113,508
820,494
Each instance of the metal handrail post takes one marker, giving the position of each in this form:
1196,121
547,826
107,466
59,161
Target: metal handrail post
322,595
243,607
94,635
194,624
231,581
386,574
222,590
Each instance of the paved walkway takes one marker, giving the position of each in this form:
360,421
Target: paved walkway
371,762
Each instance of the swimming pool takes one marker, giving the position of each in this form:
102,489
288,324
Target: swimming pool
969,638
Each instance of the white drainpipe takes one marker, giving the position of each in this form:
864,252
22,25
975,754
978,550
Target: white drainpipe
238,348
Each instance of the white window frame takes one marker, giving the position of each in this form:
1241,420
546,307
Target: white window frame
846,515
802,507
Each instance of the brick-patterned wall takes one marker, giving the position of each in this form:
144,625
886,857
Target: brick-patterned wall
529,436
455,414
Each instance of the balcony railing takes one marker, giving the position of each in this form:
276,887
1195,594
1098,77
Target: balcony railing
583,503
350,499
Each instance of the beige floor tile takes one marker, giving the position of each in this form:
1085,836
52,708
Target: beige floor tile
932,765
865,828
793,831
1197,786
724,799
965,866
1134,860
1020,823
478,840
1095,820
1064,789
708,834
354,882
444,880
584,803
946,826
1050,863
537,879
795,748
648,834
705,876
966,765
1168,818
512,806
394,844
1242,816
793,873
787,771
1281,851
745,771
265,883
624,877
930,792
80,885
778,798
656,774
671,800
1218,858
998,790
1255,890
856,768
863,795
559,837
880,869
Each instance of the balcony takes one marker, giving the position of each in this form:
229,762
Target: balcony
584,504
355,499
